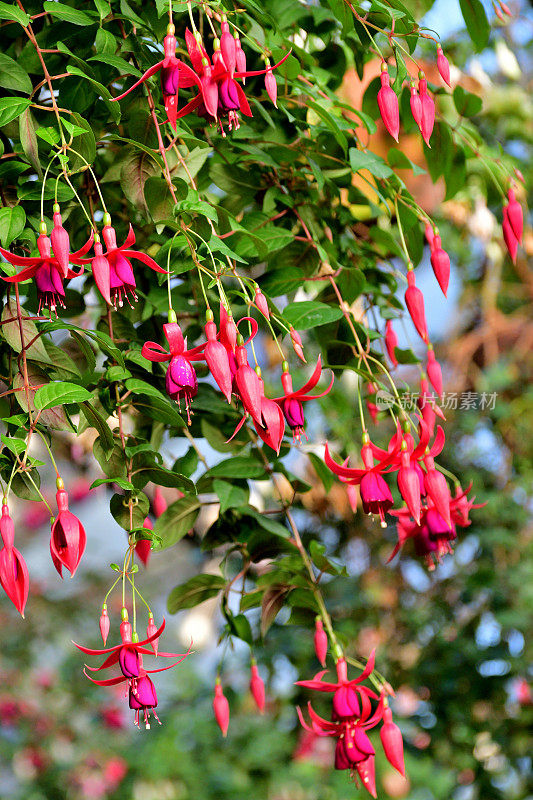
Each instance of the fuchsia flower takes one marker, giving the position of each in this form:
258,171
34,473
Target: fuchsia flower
221,708
416,105
112,270
216,356
143,548
513,224
292,401
129,656
272,425
427,120
181,381
388,104
104,624
159,503
257,687
434,371
174,74
49,274
375,494
68,538
440,262
350,719
391,342
320,640
443,66
14,577
414,300
60,241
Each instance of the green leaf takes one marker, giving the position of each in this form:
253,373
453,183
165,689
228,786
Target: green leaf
466,103
194,591
122,482
310,314
476,22
14,13
11,333
12,222
59,394
11,107
102,91
97,421
230,495
325,474
28,140
177,520
238,467
67,13
13,77
362,159
266,522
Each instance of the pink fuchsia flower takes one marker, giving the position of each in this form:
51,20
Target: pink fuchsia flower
440,262
515,215
60,242
14,577
351,717
428,109
181,381
129,656
292,401
388,104
434,371
392,741
216,356
391,342
272,425
104,624
174,74
375,494
159,503
45,268
143,547
414,301
432,539
511,242
416,104
68,538
221,708
297,344
320,640
443,65
257,687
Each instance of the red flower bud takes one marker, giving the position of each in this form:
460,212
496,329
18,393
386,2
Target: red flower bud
391,342
271,87
443,65
391,739
414,300
143,548
68,538
409,486
151,628
60,242
217,360
320,641
515,215
228,47
14,577
505,8
437,489
240,57
105,624
388,105
261,302
429,233
440,261
509,237
221,708
297,344
257,688
159,503
416,105
248,385
428,111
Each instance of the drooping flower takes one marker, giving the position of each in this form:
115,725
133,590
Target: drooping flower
416,105
351,717
428,109
174,74
68,538
221,708
129,656
414,301
320,640
104,624
143,547
14,577
392,741
159,503
391,342
511,242
443,65
440,262
112,270
388,104
257,687
181,381
292,401
45,268
217,358
434,371
60,241
515,215
375,493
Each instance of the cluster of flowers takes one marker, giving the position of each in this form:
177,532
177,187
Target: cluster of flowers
112,270
219,95
67,543
226,356
351,717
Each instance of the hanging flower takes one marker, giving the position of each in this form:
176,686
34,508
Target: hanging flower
292,401
45,268
14,577
181,381
68,538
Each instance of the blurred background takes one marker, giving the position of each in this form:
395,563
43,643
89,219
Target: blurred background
456,643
